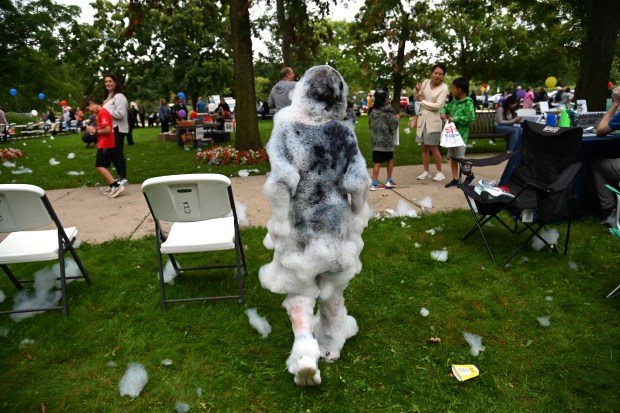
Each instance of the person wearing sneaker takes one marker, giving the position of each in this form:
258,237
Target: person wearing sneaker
432,95
116,103
461,111
383,124
105,144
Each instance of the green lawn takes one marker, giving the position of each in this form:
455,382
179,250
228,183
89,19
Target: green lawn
572,365
75,364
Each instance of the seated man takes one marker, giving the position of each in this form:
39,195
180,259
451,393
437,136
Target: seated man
605,170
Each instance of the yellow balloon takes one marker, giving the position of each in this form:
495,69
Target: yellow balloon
551,81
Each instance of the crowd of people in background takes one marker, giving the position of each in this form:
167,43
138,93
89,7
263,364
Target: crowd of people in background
430,104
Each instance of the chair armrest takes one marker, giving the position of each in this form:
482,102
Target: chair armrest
612,189
494,160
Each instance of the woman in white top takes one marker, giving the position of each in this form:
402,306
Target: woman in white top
432,95
116,103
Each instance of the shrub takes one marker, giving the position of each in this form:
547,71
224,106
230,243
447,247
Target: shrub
225,155
10,154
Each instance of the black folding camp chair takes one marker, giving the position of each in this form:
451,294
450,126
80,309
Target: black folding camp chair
542,185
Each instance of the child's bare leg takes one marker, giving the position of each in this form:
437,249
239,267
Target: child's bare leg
303,362
334,326
106,174
436,156
390,168
375,171
455,169
426,160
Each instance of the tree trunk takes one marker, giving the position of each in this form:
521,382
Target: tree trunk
284,29
598,52
399,68
247,135
398,75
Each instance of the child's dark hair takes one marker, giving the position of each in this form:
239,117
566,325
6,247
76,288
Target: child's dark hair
462,83
439,65
86,102
381,95
506,105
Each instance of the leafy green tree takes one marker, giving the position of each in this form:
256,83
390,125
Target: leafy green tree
529,40
296,27
387,37
503,41
34,36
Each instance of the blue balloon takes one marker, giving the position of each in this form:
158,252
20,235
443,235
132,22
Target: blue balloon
13,92
181,95
41,96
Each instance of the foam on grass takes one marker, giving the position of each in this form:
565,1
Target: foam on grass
133,381
259,323
475,343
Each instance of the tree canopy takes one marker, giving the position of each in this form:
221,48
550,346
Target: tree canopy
159,48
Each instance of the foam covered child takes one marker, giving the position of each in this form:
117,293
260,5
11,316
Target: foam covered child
318,187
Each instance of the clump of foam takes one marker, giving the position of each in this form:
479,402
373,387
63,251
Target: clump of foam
54,162
169,273
242,214
181,406
25,342
46,290
440,255
551,236
403,209
544,321
426,203
259,323
21,171
475,343
133,381
246,172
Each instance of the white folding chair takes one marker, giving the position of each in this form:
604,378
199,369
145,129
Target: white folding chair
202,211
22,209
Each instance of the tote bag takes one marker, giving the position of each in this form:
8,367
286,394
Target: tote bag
450,136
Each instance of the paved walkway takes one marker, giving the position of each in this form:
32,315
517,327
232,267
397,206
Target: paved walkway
100,219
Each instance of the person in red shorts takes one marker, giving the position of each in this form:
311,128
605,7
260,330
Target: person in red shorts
105,144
